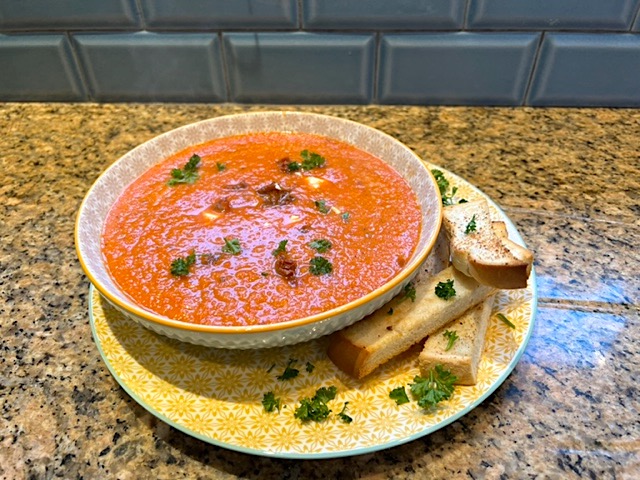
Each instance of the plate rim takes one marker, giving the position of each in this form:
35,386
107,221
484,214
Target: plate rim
360,450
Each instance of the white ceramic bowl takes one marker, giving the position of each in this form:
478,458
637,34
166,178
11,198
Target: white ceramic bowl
109,186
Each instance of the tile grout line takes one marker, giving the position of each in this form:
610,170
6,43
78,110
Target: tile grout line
376,69
634,19
300,17
80,68
465,18
534,70
225,67
143,19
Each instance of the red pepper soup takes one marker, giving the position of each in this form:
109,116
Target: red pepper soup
259,229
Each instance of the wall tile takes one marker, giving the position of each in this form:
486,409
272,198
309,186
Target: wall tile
67,14
551,14
383,14
38,68
456,68
587,70
219,14
153,67
300,67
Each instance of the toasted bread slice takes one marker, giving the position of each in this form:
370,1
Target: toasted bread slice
482,252
463,357
362,347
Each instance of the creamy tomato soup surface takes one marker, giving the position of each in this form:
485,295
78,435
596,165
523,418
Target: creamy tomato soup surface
260,228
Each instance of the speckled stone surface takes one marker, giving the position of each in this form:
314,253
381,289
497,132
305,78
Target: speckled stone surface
570,180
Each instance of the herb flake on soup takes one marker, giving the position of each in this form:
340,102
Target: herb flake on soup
260,228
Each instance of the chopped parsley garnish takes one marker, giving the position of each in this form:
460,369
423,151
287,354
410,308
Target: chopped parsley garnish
271,368
221,166
390,311
399,395
471,226
310,367
232,246
322,207
311,160
436,387
289,371
270,402
345,217
180,266
443,183
448,199
343,416
443,186
505,320
320,266
316,408
282,248
187,174
325,394
445,290
293,166
409,292
451,336
321,245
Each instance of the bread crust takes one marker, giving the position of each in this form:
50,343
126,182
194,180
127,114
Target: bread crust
486,253
362,347
463,358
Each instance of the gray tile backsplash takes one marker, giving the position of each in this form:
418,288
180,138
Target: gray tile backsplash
551,14
220,14
300,67
152,66
426,52
587,70
381,15
457,68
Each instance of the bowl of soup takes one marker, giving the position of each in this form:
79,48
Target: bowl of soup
258,230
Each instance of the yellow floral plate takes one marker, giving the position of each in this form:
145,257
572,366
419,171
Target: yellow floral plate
216,395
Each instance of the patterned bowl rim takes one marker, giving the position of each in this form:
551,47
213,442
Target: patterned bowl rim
120,300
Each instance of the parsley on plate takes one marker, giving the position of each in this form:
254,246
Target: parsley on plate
445,290
316,408
270,402
289,372
399,395
505,320
436,387
471,226
451,337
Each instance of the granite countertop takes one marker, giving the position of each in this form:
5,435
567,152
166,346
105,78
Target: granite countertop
568,178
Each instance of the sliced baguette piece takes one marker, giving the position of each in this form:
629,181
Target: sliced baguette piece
485,254
463,357
362,347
